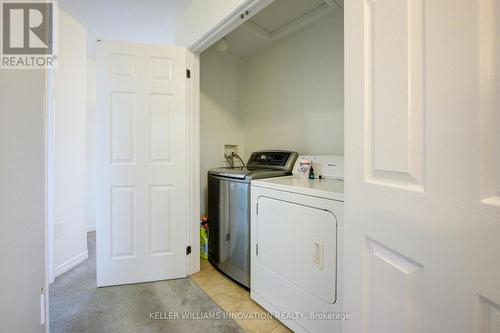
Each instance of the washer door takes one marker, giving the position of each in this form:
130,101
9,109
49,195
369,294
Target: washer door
299,244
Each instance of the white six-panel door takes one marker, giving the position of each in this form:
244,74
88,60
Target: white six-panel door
422,218
142,182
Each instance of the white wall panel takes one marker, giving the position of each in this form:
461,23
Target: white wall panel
490,101
295,87
69,147
221,87
22,198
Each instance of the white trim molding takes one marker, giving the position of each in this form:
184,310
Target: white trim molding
328,7
73,262
240,15
193,155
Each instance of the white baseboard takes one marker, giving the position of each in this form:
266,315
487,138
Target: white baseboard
64,267
90,228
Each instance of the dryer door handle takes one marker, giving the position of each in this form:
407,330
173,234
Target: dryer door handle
318,254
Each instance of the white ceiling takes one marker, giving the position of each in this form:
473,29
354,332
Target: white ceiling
141,21
279,19
281,12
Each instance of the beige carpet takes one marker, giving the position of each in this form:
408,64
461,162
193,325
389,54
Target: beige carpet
76,305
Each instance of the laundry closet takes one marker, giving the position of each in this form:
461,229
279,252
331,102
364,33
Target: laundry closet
272,146
275,82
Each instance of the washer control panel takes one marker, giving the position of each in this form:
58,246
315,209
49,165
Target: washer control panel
282,160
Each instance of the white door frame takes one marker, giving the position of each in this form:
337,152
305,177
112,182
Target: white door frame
193,162
221,29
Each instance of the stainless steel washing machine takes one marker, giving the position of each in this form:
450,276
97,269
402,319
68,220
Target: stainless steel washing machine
229,209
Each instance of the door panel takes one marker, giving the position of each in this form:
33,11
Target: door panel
393,86
141,229
160,223
123,223
159,123
394,282
422,222
123,122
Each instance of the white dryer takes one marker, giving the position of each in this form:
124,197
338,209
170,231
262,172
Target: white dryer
296,237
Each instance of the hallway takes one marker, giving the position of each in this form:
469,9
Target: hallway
76,305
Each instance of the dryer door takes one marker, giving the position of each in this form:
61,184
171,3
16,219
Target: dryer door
299,244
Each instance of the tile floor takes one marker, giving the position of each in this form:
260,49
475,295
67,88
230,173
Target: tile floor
231,297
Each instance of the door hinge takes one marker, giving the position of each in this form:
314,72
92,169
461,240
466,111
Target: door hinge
188,73
256,249
188,250
257,209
